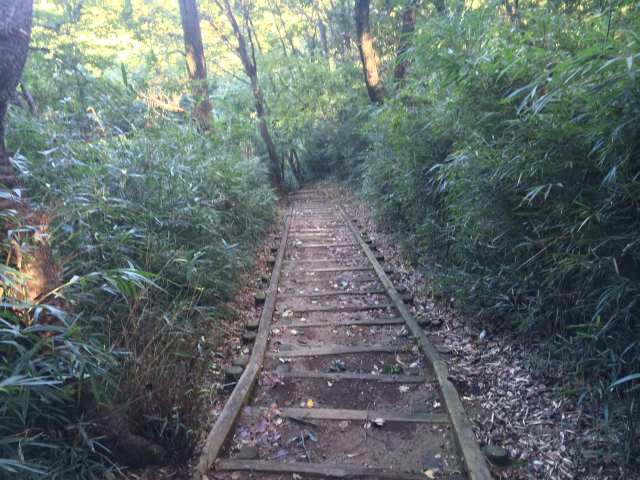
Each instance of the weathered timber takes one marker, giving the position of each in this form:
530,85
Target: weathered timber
224,423
474,460
337,350
317,469
367,377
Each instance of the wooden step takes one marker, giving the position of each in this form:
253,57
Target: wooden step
325,245
344,323
339,269
348,414
331,294
337,350
345,308
368,377
316,469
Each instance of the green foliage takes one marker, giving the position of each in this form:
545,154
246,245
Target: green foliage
153,223
508,165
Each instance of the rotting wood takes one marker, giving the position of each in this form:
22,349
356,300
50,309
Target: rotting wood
338,350
224,423
316,469
473,458
367,377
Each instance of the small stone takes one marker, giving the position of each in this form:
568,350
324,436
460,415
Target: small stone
497,455
260,297
241,361
248,453
232,374
248,337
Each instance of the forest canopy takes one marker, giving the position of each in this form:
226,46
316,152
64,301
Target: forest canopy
498,141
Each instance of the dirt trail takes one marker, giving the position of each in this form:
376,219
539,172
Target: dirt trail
345,389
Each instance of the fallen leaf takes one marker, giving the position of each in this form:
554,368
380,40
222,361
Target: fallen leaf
403,388
310,403
431,473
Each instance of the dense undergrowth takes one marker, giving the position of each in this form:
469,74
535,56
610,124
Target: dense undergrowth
508,165
151,224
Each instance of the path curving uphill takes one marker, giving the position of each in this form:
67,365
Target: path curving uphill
342,382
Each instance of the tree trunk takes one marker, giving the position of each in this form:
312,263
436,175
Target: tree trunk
368,55
406,33
15,33
196,65
294,164
322,30
249,63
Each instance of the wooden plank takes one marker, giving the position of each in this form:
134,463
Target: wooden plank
330,294
345,323
293,262
326,245
348,414
337,350
316,469
367,377
340,269
345,308
474,460
319,229
224,423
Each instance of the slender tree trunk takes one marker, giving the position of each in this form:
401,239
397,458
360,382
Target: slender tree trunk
248,59
196,65
406,33
322,30
294,164
368,55
15,33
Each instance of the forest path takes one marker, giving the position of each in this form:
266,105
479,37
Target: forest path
348,383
